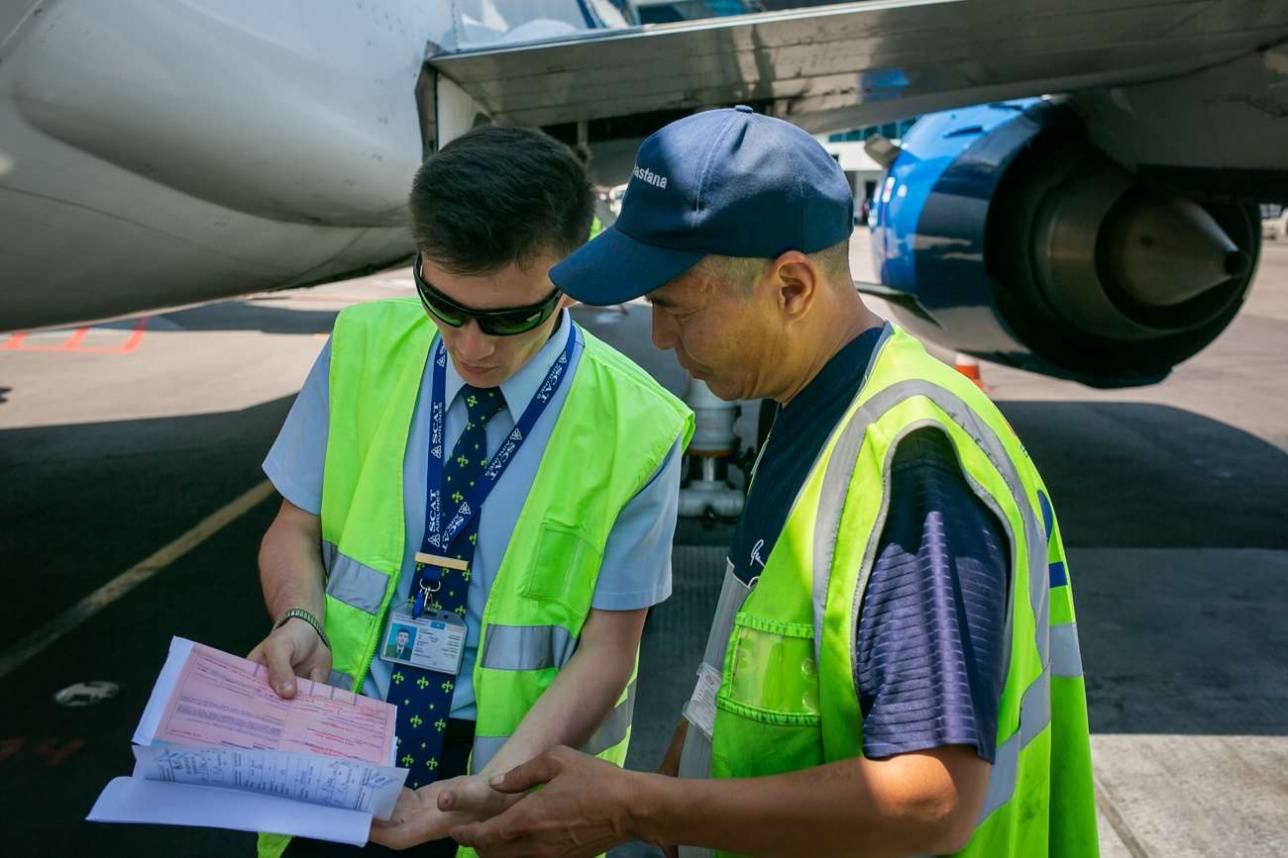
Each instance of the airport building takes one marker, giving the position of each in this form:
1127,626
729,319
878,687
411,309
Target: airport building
847,148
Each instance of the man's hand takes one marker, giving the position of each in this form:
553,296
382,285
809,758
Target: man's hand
430,812
582,811
416,818
290,651
473,798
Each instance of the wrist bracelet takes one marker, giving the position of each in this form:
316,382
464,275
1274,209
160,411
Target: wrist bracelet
301,614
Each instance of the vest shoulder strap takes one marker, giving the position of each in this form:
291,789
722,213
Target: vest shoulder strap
631,373
646,396
387,320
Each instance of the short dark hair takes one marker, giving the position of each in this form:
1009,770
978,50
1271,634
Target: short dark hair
495,196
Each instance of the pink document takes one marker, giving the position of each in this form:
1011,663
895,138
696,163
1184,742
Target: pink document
216,746
221,700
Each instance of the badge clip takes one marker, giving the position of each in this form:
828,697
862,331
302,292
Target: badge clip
427,589
439,560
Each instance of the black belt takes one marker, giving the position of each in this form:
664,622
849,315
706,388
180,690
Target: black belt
459,731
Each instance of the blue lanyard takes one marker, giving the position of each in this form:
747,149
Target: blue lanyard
437,537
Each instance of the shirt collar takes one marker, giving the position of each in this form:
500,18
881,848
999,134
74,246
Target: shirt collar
519,388
840,378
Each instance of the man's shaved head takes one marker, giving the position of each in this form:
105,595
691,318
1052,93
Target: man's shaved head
833,262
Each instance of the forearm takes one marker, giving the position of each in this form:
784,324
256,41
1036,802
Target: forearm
290,565
575,704
909,805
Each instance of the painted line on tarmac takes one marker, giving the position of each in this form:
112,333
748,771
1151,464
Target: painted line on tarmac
122,584
17,342
1115,819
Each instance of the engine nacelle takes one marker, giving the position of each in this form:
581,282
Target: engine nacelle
1014,239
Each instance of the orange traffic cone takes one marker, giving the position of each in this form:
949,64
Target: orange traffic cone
969,367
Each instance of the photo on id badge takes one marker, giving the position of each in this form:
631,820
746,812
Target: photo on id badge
400,642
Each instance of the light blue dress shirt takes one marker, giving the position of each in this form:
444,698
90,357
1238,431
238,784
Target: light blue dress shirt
636,569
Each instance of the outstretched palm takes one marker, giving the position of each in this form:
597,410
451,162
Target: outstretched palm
416,818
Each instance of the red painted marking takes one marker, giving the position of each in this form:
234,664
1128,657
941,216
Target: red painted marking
136,336
73,342
11,748
55,756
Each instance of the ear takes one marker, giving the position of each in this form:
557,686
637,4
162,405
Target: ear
565,301
798,283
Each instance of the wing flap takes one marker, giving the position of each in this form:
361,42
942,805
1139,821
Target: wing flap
856,63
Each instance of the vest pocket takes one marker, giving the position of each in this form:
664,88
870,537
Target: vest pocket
563,568
770,671
767,718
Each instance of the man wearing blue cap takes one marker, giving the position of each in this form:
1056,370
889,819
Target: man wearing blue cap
893,666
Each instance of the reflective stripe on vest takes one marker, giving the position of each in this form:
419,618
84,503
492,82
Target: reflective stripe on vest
1035,711
841,466
615,729
767,720
613,431
352,582
527,647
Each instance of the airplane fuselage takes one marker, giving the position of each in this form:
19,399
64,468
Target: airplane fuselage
159,154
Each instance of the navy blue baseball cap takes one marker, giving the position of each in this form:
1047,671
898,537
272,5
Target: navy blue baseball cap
728,182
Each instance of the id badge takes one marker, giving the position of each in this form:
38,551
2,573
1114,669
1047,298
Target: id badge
433,641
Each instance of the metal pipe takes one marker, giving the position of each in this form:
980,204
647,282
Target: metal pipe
714,445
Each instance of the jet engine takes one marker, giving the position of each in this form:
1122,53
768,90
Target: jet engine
1003,232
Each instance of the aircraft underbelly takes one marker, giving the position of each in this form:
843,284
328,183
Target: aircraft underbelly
84,239
153,155
59,254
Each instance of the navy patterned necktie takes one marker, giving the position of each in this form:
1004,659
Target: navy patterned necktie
424,697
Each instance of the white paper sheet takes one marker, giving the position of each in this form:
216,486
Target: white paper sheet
327,781
256,787
137,800
161,691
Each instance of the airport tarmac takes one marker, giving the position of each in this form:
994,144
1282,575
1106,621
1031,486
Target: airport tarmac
129,460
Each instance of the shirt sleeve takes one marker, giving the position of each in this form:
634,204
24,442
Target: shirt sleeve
295,461
636,570
931,637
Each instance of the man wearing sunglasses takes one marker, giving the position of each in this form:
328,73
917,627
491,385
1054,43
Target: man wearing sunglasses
474,472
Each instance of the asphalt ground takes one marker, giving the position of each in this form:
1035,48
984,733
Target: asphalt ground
135,448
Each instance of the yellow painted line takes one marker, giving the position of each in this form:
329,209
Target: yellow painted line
87,607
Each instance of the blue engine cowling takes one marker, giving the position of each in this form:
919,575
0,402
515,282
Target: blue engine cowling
1004,233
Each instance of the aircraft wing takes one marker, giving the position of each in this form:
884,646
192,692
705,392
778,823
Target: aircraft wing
851,64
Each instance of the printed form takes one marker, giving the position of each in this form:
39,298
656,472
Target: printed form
320,763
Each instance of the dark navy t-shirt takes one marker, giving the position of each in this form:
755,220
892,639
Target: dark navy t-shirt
931,636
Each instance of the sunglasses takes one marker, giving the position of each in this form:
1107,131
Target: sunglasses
504,322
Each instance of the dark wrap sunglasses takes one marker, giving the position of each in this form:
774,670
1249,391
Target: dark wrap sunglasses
503,322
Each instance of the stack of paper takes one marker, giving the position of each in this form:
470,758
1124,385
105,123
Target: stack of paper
217,747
